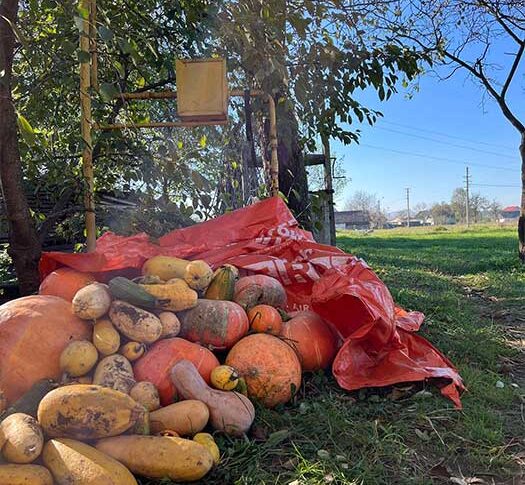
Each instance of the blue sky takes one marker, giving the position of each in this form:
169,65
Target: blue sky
479,136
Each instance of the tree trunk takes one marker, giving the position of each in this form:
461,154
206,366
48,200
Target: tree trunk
521,221
24,245
293,181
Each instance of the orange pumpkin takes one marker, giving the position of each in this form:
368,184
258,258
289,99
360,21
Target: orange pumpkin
155,366
33,332
311,338
265,319
270,367
213,323
65,282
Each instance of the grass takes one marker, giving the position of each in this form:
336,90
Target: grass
472,289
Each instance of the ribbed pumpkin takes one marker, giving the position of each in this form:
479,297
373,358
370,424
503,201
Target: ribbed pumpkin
270,367
311,338
65,282
155,366
33,332
213,323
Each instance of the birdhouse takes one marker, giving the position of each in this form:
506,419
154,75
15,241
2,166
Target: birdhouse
202,90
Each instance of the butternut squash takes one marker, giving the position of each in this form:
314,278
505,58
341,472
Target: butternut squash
25,475
23,438
179,459
135,323
115,372
75,463
78,358
146,393
184,417
207,440
175,295
230,412
88,412
105,338
92,301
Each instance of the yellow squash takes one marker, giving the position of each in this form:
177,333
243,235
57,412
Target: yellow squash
177,295
23,438
179,459
88,412
25,475
75,463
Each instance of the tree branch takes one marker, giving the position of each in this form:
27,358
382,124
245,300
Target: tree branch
512,71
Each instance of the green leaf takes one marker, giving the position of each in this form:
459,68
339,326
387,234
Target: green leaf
277,437
105,33
79,22
180,144
202,141
108,91
84,57
26,130
125,46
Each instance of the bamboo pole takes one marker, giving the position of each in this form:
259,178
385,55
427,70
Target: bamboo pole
85,128
274,162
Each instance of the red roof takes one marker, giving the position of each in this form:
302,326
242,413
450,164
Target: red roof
511,208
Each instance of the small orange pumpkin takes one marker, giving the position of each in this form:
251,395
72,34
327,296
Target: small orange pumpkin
65,282
265,319
270,367
311,338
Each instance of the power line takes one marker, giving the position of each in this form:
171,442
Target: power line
445,142
440,159
496,185
494,145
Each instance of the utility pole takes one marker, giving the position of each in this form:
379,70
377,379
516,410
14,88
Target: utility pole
408,206
467,187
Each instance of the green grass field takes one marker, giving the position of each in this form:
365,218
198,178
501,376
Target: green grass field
472,289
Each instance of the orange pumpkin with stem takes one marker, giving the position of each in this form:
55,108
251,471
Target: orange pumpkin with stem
265,319
311,338
270,367
65,282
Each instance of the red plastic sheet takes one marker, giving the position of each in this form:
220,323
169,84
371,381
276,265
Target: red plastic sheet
379,344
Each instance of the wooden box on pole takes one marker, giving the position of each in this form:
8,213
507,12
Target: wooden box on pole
202,89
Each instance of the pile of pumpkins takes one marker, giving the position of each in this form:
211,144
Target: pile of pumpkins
134,381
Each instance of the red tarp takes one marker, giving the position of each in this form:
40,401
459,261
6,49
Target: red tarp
379,346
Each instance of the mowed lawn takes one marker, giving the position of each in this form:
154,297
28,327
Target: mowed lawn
472,289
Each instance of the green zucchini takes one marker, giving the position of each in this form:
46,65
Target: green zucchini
123,289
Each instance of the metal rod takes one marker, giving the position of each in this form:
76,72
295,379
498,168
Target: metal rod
274,162
164,124
85,128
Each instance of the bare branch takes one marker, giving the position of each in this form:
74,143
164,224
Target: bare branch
513,69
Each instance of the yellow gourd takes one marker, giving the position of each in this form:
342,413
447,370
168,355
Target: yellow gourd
23,438
197,274
25,475
224,377
105,338
88,412
75,463
146,393
132,350
207,440
78,358
179,459
176,293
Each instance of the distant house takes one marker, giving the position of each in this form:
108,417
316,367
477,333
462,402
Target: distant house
510,212
357,219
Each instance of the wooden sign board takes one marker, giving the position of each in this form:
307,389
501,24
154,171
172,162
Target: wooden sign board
202,89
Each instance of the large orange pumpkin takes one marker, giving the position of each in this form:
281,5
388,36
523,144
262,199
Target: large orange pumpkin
65,282
311,338
33,332
270,367
155,366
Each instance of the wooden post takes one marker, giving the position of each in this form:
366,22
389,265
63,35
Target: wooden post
93,44
328,183
85,127
274,162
